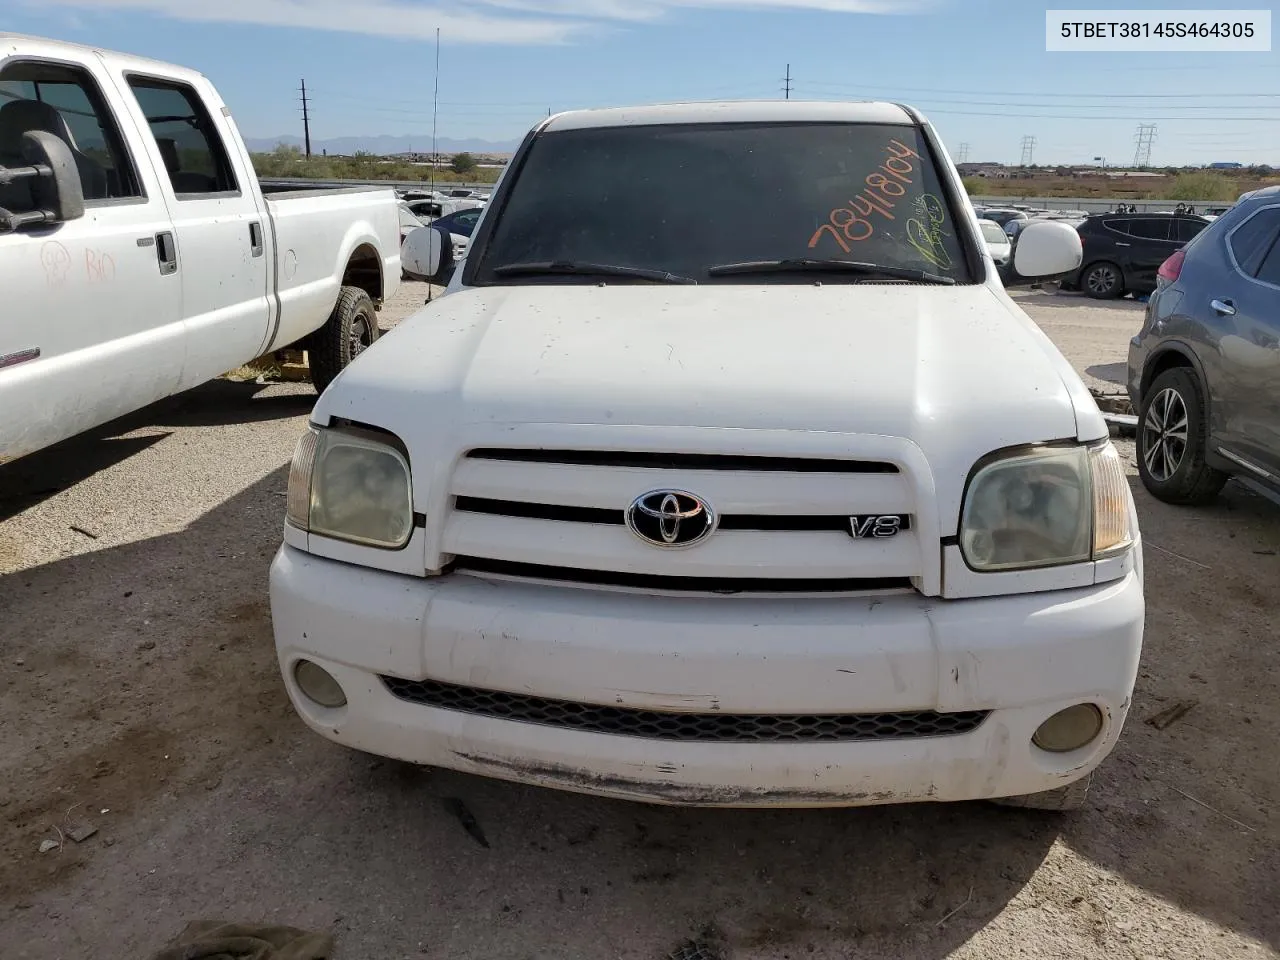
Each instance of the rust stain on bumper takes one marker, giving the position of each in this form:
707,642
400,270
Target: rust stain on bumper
667,792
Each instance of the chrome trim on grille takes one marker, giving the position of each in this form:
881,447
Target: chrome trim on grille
682,461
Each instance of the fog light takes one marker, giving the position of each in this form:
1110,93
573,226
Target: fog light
318,684
1068,729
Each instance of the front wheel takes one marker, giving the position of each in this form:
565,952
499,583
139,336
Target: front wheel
1103,281
350,329
1173,434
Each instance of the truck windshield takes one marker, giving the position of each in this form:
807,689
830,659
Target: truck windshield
725,203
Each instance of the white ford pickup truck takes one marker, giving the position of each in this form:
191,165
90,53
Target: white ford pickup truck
725,472
138,254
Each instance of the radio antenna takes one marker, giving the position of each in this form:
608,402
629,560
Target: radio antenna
435,108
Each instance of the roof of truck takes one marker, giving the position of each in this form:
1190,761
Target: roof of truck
735,111
50,44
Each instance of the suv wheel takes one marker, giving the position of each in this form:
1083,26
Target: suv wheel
1103,281
1172,440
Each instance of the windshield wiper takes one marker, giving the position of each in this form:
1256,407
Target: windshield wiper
575,267
823,266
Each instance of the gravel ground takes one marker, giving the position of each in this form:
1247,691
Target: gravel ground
139,692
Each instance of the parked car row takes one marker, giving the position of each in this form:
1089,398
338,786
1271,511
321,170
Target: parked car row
458,225
1122,251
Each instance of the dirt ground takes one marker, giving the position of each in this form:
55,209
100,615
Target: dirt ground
139,693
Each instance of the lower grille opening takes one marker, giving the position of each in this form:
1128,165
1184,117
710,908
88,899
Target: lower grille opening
653,581
686,727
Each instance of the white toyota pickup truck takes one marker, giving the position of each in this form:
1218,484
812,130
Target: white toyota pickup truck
138,254
725,472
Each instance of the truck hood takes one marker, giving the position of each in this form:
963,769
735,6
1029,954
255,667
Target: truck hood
958,371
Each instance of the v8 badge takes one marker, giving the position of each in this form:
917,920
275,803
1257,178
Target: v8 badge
878,526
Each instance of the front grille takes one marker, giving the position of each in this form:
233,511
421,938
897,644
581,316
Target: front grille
782,524
682,461
737,521
686,727
659,581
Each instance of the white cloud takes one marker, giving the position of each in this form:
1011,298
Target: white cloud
525,22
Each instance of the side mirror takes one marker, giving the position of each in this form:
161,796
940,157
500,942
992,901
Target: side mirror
1046,248
54,177
423,255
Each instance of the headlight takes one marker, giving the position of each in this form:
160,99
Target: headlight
350,485
1046,506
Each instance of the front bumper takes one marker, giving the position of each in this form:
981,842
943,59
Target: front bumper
1023,658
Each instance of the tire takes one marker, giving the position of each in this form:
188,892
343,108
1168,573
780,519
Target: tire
1062,799
350,329
1103,280
1173,434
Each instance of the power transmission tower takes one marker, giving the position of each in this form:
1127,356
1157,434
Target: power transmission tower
1145,137
1028,150
786,90
963,155
306,119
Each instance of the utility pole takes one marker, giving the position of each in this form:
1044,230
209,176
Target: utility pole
1145,137
1028,150
786,90
963,155
306,119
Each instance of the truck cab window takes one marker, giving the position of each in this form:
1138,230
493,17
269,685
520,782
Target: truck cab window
64,101
193,152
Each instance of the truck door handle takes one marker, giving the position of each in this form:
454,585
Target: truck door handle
1124,244
167,253
255,238
1223,308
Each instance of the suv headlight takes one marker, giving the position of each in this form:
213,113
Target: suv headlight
351,485
1046,506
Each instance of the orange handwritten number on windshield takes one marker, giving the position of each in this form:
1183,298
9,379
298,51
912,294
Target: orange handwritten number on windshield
813,241
849,219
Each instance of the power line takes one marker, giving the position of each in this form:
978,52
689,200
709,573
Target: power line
306,119
1096,106
1076,116
1145,136
1067,96
1028,150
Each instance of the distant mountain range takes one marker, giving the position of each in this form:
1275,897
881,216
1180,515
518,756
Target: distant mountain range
383,144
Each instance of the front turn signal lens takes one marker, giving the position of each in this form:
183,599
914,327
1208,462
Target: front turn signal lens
298,510
1112,501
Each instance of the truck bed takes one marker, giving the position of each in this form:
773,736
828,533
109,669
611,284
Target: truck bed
312,228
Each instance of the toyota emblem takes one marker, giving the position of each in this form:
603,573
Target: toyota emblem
670,518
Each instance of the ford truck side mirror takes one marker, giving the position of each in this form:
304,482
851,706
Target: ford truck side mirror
423,254
51,176
1046,248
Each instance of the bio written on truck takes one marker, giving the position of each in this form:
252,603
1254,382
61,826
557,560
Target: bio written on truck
725,472
139,255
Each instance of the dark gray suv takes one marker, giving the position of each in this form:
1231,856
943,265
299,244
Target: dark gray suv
1204,372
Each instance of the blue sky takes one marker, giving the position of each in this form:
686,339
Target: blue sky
977,67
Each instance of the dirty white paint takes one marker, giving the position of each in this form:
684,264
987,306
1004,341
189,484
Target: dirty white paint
927,379
114,333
